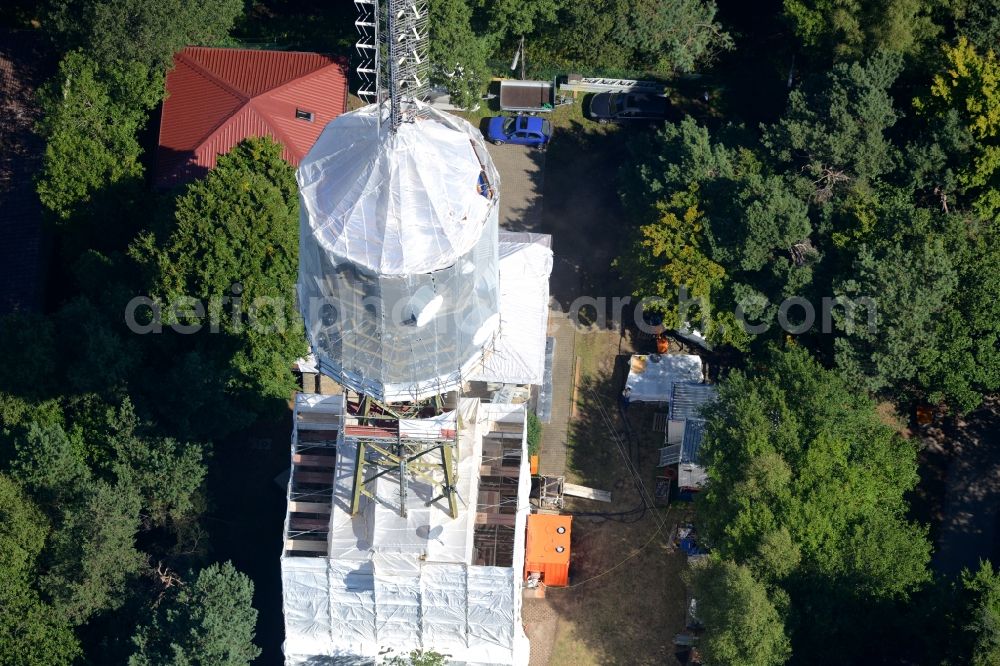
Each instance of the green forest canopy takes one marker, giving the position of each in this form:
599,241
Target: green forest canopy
879,176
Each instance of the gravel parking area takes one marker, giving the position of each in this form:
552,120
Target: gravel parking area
521,172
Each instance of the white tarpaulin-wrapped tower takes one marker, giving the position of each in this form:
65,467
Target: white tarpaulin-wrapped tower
407,502
398,267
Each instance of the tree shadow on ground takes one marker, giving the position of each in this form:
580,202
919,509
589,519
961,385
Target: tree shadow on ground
26,61
246,519
967,531
749,83
527,214
582,208
626,599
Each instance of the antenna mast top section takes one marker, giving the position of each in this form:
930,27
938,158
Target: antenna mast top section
368,50
401,26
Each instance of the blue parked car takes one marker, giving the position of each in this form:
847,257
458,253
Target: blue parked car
522,130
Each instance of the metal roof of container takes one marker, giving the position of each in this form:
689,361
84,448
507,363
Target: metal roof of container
218,97
547,548
694,432
687,399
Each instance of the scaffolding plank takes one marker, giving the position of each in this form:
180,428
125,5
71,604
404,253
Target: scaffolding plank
297,523
507,519
314,461
373,432
312,477
309,507
306,545
586,493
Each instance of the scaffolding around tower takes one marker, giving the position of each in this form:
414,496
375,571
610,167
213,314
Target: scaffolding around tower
358,587
368,48
398,253
407,500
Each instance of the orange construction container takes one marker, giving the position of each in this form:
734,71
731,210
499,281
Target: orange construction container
547,548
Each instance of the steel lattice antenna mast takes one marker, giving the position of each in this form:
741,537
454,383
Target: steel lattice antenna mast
404,77
392,55
368,50
406,35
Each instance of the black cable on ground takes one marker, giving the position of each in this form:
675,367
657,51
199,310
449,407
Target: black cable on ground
627,515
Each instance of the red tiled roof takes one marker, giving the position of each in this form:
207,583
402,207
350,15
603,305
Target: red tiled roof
218,97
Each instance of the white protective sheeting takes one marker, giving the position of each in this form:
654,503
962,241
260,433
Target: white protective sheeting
364,327
467,612
307,364
518,356
320,403
437,427
397,603
398,266
401,586
351,593
491,605
306,602
651,378
397,203
444,595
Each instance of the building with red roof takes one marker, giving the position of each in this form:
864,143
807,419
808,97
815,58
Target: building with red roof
218,97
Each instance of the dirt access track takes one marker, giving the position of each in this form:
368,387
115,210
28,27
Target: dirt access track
626,599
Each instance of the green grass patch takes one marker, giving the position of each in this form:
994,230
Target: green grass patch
534,433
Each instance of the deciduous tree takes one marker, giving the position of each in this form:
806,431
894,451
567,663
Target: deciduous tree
965,98
457,53
90,118
853,28
979,20
31,633
514,18
929,279
982,592
650,36
807,487
141,31
670,254
742,625
234,243
723,227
